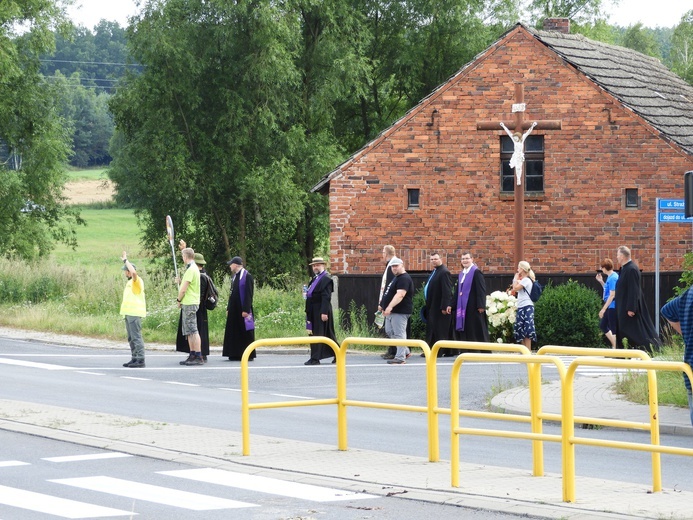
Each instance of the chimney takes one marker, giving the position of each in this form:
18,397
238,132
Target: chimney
561,25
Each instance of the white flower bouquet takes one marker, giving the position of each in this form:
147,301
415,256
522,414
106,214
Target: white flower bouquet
500,308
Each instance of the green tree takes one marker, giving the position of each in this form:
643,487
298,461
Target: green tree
206,130
33,137
682,48
579,11
641,39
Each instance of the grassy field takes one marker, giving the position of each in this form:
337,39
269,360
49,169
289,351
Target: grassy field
91,174
107,234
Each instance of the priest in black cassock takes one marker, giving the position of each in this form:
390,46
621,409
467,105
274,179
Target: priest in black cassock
319,318
469,319
438,296
634,322
240,319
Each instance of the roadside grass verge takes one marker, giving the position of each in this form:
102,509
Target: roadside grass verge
670,387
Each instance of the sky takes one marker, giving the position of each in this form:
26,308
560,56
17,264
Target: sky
652,13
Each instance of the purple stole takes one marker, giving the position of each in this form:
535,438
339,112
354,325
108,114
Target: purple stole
249,320
313,284
463,290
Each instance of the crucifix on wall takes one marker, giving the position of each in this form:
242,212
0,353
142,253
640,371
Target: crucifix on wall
515,130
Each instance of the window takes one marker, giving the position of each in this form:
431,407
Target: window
413,198
632,198
533,172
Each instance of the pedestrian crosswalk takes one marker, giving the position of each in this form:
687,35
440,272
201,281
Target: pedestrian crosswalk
173,494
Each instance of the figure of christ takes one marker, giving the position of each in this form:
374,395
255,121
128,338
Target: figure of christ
518,158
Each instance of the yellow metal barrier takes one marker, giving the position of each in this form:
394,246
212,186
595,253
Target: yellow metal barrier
568,410
433,441
432,370
455,429
652,393
340,355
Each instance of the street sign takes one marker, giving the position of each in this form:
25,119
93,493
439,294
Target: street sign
674,217
671,204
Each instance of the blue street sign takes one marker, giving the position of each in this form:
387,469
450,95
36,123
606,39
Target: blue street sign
671,204
674,217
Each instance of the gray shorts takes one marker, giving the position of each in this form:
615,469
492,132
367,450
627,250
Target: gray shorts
189,319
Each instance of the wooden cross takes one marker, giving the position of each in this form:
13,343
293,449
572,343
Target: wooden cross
518,125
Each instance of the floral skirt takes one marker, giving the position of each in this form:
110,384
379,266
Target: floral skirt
524,324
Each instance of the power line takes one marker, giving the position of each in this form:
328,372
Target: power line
91,63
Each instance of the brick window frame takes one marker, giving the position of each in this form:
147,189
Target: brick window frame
413,198
534,165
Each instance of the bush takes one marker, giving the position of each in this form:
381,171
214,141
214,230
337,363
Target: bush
418,327
568,314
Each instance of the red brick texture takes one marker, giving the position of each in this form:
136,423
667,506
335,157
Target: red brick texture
602,149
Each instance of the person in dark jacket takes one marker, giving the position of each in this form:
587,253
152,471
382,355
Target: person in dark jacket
319,317
438,297
240,318
634,322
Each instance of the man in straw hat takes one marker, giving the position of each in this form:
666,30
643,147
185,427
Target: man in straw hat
319,318
201,314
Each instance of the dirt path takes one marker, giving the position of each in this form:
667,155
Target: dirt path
87,192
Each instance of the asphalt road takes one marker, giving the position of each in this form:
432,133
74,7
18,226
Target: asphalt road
209,396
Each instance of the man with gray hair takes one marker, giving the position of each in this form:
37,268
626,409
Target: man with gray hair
634,322
189,301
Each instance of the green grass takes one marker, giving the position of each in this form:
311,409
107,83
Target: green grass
670,387
91,174
101,242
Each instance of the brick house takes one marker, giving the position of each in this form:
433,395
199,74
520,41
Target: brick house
432,181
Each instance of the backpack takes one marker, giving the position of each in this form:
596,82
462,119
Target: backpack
211,294
536,291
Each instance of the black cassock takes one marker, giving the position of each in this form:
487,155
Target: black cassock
202,325
475,323
317,304
236,338
639,329
438,299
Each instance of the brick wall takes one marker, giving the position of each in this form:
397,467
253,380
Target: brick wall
602,149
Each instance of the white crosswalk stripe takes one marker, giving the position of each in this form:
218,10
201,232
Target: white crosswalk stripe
151,493
55,506
93,456
267,485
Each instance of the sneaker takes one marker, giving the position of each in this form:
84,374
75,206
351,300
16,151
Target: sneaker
387,356
190,357
204,359
126,365
194,361
137,363
396,362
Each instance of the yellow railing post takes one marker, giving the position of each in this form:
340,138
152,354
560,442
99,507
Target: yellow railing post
569,439
455,429
245,397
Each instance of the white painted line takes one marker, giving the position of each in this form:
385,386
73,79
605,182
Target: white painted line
12,463
33,364
156,494
178,383
89,373
93,456
54,505
292,396
135,378
267,485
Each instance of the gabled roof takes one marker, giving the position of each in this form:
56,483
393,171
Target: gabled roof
641,83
